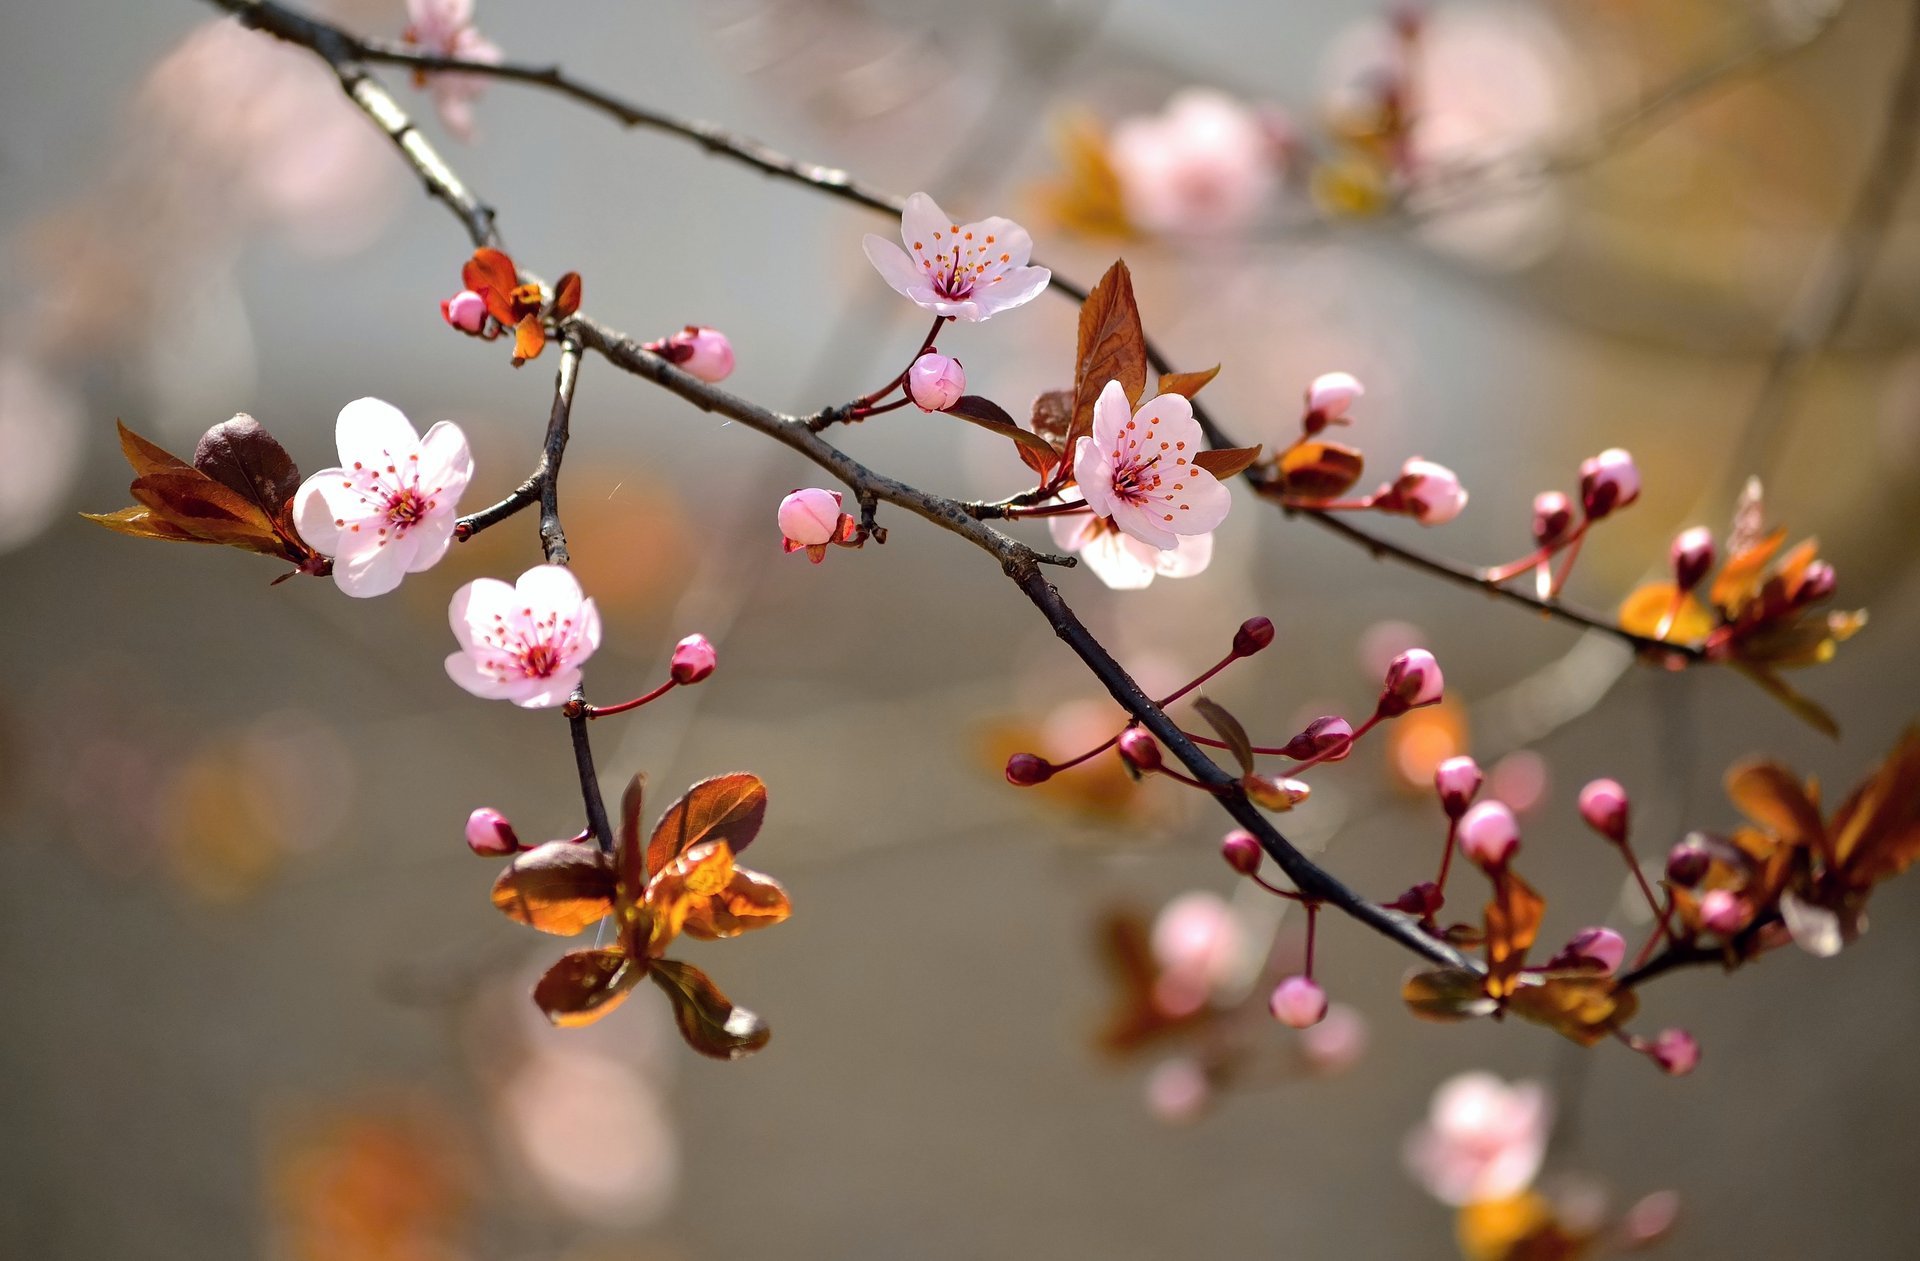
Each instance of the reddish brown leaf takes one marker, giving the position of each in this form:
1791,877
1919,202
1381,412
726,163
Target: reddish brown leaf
1513,922
1228,461
529,339
566,295
141,523
708,1020
1772,796
241,455
726,808
493,276
1447,994
1585,1009
584,985
632,863
1035,451
1877,829
1647,610
690,880
750,900
1187,384
144,456
559,887
1228,728
202,507
1739,578
1053,416
1320,470
1112,347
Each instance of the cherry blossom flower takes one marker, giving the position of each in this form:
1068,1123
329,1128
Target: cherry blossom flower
1203,166
1124,562
1199,946
389,510
1483,1139
444,28
964,271
523,643
1136,469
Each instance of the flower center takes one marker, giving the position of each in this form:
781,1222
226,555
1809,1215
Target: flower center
406,506
1133,479
956,282
540,660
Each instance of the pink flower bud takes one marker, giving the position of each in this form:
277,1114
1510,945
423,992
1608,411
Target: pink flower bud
1603,804
1429,493
702,352
1178,1091
1413,680
1675,1051
1337,1042
1816,583
1651,1219
1024,770
1608,481
1597,949
1298,1002
1140,750
1692,556
1254,634
693,659
1724,912
810,517
1456,780
1328,737
1241,851
1552,517
1329,397
489,834
1688,861
466,311
1489,834
935,382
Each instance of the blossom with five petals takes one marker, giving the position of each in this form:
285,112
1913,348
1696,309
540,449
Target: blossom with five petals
523,643
964,271
1124,562
389,510
1138,469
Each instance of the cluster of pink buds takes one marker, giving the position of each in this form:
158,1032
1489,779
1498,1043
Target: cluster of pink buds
811,521
699,351
1313,473
1608,482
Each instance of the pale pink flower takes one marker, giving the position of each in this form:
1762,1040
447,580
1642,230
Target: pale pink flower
965,271
1204,165
466,311
1199,946
1600,949
1137,468
936,382
1691,556
444,28
1337,1042
1124,562
523,643
1178,1091
1483,1139
1456,780
1429,493
436,24
1676,1051
1413,679
389,510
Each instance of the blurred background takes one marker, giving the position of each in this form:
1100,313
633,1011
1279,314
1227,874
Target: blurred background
257,1004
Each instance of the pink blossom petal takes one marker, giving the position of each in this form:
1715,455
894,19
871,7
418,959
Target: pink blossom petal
371,571
446,462
373,425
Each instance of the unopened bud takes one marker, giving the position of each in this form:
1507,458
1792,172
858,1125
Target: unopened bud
1423,900
1254,634
702,352
1724,912
1328,738
1456,780
1328,398
1608,481
1024,770
1692,556
1140,750
810,517
935,382
1816,583
1675,1051
1429,493
1603,804
489,834
1298,1002
1242,851
1688,861
466,311
1413,680
1552,517
1489,834
693,659
1596,949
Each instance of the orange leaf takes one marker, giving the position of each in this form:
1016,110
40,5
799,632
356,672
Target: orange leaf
688,881
1513,921
1647,608
1739,577
1112,347
1036,452
566,295
1772,796
559,887
1053,416
492,275
144,456
1586,1009
529,339
241,455
1877,829
202,507
141,523
750,900
1805,708
1187,384
632,860
1229,729
1447,995
584,985
1320,470
1227,461
727,808
707,1018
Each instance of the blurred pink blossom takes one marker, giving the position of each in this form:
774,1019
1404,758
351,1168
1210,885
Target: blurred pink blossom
1204,165
1483,1139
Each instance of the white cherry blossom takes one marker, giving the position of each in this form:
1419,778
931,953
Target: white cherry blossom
1138,469
388,510
523,643
966,271
1124,562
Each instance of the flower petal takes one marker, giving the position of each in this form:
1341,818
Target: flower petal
1117,560
545,693
1014,288
1111,412
369,427
1093,472
446,464
469,673
476,606
430,540
1145,524
550,589
364,571
920,220
1191,555
316,513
